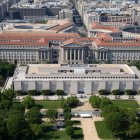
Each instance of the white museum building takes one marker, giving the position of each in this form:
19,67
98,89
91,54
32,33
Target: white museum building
76,78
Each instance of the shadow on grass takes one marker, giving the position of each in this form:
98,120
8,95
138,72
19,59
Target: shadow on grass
77,128
76,122
77,136
39,106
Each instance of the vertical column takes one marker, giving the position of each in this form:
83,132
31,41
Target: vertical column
82,55
41,56
70,53
103,55
66,54
44,55
106,55
74,54
99,55
79,54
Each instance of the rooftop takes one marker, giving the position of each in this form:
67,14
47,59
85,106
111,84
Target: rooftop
52,69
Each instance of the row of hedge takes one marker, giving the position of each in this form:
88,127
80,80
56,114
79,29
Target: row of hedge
47,92
118,92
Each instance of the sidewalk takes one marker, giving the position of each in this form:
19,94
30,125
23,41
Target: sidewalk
88,127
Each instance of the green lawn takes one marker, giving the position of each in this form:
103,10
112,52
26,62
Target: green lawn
49,104
126,104
50,134
102,131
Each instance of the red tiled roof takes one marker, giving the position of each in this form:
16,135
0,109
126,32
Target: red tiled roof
97,25
105,36
71,41
38,34
101,43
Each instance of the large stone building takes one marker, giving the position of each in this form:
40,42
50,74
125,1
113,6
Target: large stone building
76,79
66,48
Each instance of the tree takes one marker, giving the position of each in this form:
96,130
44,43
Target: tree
103,92
36,128
72,101
52,115
68,123
18,106
3,129
95,101
16,125
67,110
70,130
115,122
134,130
117,92
67,116
1,80
104,102
18,92
9,94
59,92
135,63
32,92
6,69
130,92
33,115
47,92
5,104
28,102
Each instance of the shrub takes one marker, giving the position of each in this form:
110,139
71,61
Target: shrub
67,116
28,102
69,102
18,92
68,123
117,92
47,92
103,92
32,92
130,92
70,130
95,101
59,92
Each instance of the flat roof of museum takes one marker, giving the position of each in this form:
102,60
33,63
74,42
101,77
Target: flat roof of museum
78,69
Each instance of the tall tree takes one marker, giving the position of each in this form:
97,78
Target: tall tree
52,115
116,122
33,115
16,125
28,102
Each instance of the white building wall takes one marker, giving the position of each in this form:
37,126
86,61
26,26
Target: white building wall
88,87
60,85
102,85
31,85
45,85
17,85
73,87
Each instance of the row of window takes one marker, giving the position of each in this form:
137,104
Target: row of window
80,77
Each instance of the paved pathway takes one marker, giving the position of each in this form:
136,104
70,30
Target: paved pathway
88,127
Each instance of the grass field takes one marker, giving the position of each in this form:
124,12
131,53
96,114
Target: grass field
49,104
126,104
61,135
102,131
